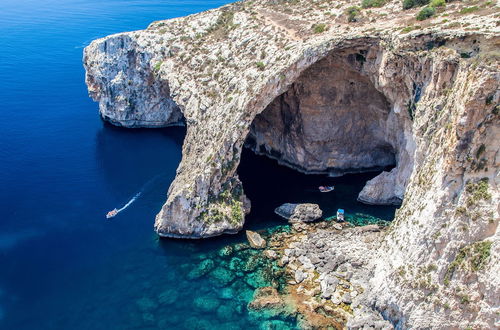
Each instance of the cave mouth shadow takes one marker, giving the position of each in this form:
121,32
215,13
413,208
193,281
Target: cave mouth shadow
268,185
332,122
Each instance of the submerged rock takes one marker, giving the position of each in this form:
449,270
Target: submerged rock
201,269
222,276
266,297
168,297
146,304
226,251
206,303
256,241
275,325
299,212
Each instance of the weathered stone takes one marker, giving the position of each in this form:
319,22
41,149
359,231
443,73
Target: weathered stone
346,298
381,190
299,212
282,261
270,254
255,240
356,97
266,297
299,276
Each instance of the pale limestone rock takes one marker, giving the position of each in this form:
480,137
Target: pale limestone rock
434,115
305,212
381,190
256,241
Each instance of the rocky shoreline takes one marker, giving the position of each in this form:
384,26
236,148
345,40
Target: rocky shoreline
318,89
327,268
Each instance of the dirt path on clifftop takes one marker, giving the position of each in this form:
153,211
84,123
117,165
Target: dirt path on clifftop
281,22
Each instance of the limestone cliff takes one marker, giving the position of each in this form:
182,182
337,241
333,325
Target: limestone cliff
323,87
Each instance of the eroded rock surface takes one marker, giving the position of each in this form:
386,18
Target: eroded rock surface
305,212
257,71
256,241
381,190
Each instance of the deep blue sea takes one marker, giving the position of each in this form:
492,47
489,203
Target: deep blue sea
62,264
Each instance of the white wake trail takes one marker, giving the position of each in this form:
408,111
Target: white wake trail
145,187
133,199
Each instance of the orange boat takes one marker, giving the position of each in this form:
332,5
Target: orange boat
112,213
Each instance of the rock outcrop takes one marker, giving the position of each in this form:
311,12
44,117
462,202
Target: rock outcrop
380,190
134,96
305,212
298,82
255,240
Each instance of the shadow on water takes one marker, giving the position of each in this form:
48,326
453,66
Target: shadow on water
133,157
268,185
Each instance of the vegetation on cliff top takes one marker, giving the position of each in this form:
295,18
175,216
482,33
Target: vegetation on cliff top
472,257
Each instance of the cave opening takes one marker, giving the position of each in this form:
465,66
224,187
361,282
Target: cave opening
331,127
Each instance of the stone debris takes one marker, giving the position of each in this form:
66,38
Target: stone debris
256,241
299,212
271,254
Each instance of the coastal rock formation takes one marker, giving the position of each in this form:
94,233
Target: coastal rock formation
134,96
323,90
299,212
255,240
380,190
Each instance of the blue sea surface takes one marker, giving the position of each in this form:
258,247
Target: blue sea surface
62,264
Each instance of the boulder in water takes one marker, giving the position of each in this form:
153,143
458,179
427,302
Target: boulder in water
264,298
305,212
256,241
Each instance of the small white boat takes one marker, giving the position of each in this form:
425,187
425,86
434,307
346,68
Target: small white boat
326,188
111,214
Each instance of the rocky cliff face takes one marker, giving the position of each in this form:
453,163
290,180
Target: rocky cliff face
298,82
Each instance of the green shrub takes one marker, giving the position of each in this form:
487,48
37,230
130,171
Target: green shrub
372,3
410,28
407,4
352,13
472,257
157,66
320,27
478,191
426,13
260,65
437,3
468,10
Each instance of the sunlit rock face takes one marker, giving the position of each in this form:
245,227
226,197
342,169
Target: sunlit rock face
331,120
358,95
128,91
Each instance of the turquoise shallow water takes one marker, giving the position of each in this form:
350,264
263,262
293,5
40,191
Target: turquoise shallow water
62,265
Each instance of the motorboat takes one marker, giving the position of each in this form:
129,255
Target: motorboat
340,215
112,213
326,188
